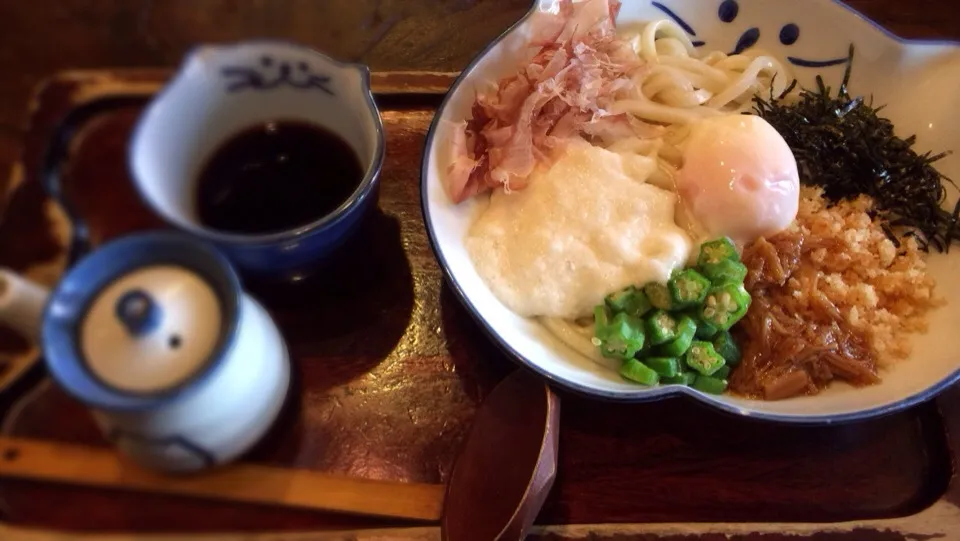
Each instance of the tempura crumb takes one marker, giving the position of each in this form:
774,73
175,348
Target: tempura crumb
880,290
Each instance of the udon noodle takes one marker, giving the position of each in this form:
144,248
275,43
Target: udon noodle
679,86
676,87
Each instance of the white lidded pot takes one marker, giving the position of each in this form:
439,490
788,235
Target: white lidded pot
181,369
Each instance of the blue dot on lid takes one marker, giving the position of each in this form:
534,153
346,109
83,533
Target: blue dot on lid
729,10
789,34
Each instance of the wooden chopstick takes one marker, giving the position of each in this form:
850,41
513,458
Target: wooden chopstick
103,467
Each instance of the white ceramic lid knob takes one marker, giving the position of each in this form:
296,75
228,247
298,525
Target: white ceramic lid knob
138,312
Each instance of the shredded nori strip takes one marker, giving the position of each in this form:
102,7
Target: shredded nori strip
842,145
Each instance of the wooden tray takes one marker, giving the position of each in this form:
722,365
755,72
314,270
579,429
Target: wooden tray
389,370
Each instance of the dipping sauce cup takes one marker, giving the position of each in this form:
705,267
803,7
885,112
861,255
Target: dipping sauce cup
222,90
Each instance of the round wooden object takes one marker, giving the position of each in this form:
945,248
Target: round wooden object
507,465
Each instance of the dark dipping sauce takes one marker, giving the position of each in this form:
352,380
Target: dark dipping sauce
276,177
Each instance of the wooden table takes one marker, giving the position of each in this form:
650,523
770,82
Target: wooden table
443,35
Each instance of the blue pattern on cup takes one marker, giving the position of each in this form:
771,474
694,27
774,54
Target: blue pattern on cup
265,77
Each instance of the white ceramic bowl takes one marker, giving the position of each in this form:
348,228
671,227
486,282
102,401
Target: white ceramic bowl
920,82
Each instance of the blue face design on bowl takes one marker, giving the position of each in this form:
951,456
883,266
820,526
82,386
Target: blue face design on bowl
729,11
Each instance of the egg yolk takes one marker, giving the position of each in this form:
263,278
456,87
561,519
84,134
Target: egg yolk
739,178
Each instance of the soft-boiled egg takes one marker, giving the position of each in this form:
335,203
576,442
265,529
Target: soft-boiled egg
739,178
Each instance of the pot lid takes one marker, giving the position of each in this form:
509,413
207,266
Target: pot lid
141,320
151,329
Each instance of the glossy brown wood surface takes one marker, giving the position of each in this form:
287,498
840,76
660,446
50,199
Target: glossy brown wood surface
390,369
